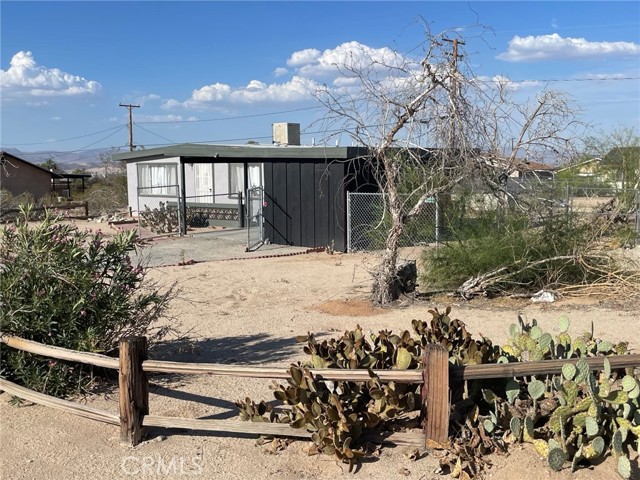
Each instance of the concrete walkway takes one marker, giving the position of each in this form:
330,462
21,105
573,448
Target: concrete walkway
202,247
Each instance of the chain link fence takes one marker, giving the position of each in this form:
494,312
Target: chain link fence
368,223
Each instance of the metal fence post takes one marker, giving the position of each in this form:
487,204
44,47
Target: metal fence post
138,213
348,222
241,209
637,217
437,220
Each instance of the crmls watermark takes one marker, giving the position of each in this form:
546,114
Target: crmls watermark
155,466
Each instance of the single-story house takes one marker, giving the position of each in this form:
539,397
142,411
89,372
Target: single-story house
303,189
19,176
532,171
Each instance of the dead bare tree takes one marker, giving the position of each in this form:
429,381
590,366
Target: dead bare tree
429,124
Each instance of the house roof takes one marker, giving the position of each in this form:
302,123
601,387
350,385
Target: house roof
618,155
527,166
4,155
261,152
517,165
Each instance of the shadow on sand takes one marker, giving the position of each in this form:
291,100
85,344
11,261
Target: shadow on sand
256,349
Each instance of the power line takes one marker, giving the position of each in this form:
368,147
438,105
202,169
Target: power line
64,139
153,133
69,152
237,117
549,80
571,27
219,119
240,117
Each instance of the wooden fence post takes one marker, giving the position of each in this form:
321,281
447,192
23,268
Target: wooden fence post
134,389
435,393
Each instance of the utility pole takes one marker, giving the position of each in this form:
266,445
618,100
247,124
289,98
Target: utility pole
130,107
454,86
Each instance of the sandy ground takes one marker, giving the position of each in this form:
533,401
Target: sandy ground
248,311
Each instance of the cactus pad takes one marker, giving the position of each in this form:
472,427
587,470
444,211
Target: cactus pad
536,389
556,458
569,371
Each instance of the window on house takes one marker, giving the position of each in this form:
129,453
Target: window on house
158,179
236,177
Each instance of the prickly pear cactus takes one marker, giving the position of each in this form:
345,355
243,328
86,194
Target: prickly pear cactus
574,417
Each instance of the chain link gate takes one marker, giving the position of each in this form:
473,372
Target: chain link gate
255,220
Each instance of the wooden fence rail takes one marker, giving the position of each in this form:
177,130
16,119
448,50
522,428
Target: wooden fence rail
58,403
465,372
59,353
133,367
58,206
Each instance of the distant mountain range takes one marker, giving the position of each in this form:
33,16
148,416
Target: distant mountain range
67,161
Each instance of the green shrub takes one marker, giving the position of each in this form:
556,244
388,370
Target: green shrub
106,195
530,249
75,289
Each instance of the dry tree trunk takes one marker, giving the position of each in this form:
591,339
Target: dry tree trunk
392,278
384,278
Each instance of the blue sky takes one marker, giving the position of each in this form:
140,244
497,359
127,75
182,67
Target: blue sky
223,72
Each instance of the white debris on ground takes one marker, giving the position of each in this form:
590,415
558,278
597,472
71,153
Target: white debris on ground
112,217
543,296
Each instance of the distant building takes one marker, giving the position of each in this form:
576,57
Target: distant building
18,177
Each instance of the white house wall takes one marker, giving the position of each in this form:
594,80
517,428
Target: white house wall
132,181
220,182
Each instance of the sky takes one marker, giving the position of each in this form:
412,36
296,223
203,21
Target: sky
223,72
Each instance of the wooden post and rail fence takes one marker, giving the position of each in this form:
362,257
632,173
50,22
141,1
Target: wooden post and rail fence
133,366
59,206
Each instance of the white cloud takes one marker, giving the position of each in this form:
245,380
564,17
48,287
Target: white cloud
164,118
255,91
309,69
346,82
329,61
211,93
555,47
606,76
152,97
25,77
56,119
303,57
514,85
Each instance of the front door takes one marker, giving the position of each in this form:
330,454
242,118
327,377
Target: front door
203,182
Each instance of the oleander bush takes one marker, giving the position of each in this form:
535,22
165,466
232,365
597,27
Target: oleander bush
66,287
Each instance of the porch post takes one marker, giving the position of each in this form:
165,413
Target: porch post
183,196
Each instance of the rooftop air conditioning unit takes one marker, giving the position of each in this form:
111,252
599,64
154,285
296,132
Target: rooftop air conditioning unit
286,133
